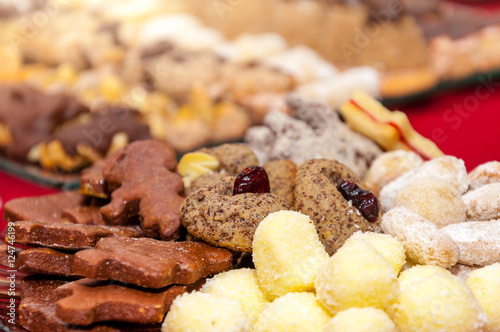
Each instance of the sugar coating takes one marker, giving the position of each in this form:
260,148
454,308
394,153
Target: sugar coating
447,168
484,174
484,202
389,166
287,253
293,312
392,250
361,320
434,199
478,241
199,312
418,272
357,275
439,302
423,241
485,284
241,285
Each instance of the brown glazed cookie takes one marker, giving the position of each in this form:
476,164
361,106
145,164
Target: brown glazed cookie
233,158
68,236
92,138
282,177
46,261
42,208
32,116
89,301
213,214
316,195
150,263
143,183
37,260
37,310
85,215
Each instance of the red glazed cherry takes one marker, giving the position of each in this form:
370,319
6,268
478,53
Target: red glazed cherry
253,179
363,200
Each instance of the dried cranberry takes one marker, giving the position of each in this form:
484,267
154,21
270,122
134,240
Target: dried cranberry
253,179
363,200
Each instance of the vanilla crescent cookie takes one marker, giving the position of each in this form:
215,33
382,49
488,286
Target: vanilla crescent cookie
483,203
484,174
423,241
478,241
316,193
389,166
212,213
447,168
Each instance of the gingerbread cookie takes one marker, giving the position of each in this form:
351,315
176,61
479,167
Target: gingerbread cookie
150,263
213,214
68,236
87,301
46,261
42,208
141,179
337,201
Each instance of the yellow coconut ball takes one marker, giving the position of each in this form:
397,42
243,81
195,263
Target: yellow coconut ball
287,253
361,320
200,312
485,284
419,272
387,245
438,302
293,312
357,275
241,285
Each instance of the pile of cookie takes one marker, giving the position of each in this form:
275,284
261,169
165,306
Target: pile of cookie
94,261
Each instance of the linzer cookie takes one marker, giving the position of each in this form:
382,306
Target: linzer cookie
151,263
31,116
89,301
143,184
68,236
42,208
78,144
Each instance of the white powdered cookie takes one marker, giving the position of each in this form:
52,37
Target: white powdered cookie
478,241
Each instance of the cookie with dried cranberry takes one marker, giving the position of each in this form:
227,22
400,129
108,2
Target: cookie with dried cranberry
336,199
282,177
219,217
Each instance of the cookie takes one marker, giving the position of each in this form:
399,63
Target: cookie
92,182
150,263
316,194
68,236
143,183
212,213
86,215
483,203
32,116
477,241
91,139
233,158
484,174
37,310
42,208
282,178
87,301
46,261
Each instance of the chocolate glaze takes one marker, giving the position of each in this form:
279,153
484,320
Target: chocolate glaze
99,131
32,116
